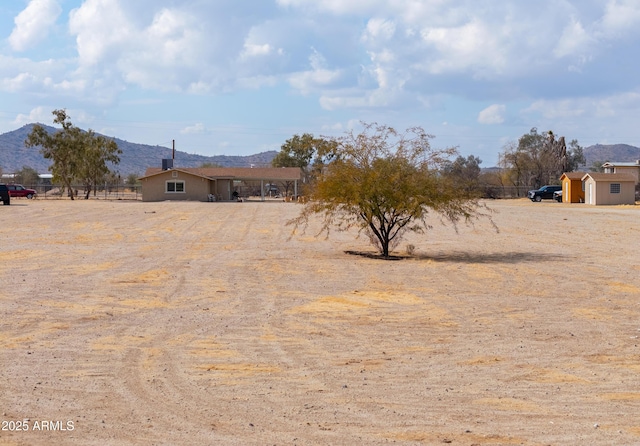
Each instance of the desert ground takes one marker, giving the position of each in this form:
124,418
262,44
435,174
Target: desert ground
175,323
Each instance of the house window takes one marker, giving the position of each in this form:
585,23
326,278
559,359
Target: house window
614,188
175,187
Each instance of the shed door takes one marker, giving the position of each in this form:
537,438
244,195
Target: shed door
592,199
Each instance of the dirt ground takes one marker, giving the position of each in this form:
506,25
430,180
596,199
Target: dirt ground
129,323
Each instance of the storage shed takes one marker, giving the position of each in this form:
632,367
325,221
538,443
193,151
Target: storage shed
572,187
609,188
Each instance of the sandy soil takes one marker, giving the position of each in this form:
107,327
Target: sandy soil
204,323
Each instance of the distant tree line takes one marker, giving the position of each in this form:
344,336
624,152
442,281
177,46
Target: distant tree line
534,160
27,175
538,159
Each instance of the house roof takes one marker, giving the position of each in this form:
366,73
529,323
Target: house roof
238,173
153,171
615,164
573,175
599,176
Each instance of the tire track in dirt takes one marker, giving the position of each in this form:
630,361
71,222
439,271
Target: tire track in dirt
162,367
216,328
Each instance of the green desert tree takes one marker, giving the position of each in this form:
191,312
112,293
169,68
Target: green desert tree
93,169
386,183
75,155
27,176
297,151
132,180
305,152
61,148
596,166
465,172
515,166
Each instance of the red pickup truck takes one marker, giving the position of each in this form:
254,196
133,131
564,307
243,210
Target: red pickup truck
18,190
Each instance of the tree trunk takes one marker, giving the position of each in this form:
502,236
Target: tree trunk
86,196
385,247
70,189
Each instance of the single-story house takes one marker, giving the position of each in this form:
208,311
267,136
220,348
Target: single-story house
609,188
217,183
628,168
572,187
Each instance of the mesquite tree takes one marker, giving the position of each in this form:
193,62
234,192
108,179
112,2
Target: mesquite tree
386,183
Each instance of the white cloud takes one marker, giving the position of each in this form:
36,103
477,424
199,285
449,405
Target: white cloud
21,81
308,81
338,7
354,98
99,26
317,77
167,54
621,16
494,114
45,116
38,114
253,50
379,29
175,38
21,75
256,82
198,128
472,45
559,109
574,40
597,107
190,47
34,23
335,127
369,56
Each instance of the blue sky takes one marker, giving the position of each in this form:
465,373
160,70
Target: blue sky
236,77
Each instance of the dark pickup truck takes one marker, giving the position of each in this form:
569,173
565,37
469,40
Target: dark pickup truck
544,193
4,195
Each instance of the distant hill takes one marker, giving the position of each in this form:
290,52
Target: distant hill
135,158
622,153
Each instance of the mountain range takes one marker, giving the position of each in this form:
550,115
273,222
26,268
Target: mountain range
621,153
135,158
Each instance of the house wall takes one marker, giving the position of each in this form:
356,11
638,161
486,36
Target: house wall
629,170
598,192
195,188
222,189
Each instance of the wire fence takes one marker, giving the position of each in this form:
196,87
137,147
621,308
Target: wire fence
56,192
493,191
134,193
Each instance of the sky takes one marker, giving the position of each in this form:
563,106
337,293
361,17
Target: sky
239,77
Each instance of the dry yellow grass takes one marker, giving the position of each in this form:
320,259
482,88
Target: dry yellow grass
206,323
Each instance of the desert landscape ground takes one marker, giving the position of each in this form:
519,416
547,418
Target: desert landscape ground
130,323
